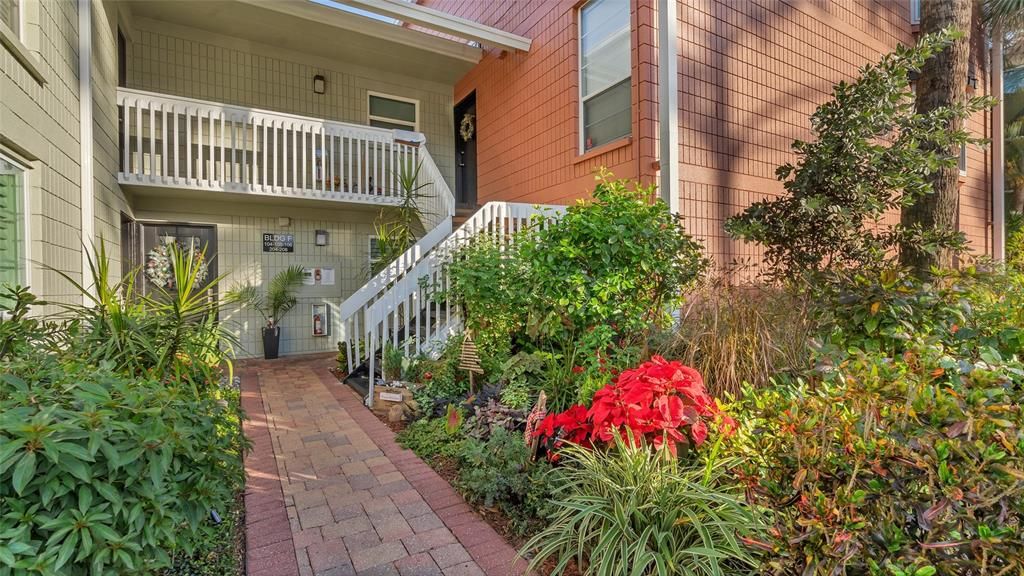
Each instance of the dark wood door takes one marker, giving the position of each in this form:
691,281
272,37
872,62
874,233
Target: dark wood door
156,237
465,151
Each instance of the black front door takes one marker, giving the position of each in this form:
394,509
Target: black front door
465,152
156,237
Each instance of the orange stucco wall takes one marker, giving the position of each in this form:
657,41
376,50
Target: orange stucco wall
750,74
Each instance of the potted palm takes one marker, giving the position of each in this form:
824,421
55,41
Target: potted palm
278,300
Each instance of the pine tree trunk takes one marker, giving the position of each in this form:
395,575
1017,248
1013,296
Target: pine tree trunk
943,82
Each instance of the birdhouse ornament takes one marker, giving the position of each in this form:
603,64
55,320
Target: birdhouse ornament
469,359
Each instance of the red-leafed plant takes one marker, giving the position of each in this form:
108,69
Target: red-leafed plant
659,402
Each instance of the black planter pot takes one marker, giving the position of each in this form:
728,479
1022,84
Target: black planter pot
271,342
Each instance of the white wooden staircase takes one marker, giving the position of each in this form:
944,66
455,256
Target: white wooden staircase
403,304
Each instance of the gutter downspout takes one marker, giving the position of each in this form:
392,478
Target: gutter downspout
668,104
86,140
998,151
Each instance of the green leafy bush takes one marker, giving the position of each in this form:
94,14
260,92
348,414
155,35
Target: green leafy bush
488,279
1015,241
102,473
883,465
621,260
498,472
868,160
633,510
431,439
221,552
964,311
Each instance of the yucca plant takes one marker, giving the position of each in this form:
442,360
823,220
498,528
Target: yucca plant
636,511
171,332
395,235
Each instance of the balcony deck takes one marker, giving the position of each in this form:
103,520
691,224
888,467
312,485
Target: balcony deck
174,142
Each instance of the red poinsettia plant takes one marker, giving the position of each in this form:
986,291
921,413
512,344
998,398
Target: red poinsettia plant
659,402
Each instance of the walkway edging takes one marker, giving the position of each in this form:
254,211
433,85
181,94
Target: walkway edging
269,547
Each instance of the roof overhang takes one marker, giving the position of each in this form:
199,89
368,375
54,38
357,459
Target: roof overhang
319,32
443,22
324,14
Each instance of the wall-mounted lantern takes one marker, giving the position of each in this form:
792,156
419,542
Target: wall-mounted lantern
321,238
319,84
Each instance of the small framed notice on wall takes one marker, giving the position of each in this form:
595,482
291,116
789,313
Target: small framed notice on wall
320,317
318,276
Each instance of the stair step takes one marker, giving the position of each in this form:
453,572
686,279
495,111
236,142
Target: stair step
462,214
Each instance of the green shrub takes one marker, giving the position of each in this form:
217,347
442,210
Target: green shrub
430,439
1015,241
619,260
879,465
867,161
964,311
499,473
219,552
633,510
442,381
488,280
102,473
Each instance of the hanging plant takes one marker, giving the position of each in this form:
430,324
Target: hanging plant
467,127
159,269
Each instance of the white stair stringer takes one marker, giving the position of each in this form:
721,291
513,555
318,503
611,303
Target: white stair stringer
398,306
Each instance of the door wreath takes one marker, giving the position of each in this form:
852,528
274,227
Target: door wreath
160,270
467,127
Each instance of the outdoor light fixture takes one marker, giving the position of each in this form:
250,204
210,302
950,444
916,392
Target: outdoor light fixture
972,80
321,237
284,221
319,84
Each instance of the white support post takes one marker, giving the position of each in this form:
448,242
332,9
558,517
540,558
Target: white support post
668,103
998,151
86,140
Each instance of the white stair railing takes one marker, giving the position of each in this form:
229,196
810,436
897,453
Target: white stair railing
187,143
399,307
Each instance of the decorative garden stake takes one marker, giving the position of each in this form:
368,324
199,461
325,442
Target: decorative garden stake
540,410
470,359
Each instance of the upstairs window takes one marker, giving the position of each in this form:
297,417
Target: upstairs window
10,16
605,96
12,223
393,113
915,11
373,249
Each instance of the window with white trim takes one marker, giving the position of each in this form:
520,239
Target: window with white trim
393,112
12,223
606,100
963,160
915,11
10,16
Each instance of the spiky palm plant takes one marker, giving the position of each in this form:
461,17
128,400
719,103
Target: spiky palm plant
173,332
279,298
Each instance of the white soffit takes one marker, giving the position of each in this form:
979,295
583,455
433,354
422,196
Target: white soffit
324,14
442,22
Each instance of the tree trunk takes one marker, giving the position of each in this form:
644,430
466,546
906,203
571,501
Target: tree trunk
943,82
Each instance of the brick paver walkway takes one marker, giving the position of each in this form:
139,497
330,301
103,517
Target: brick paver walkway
330,493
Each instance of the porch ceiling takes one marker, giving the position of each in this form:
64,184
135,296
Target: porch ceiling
307,27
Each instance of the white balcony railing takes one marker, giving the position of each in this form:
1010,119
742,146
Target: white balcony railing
187,143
